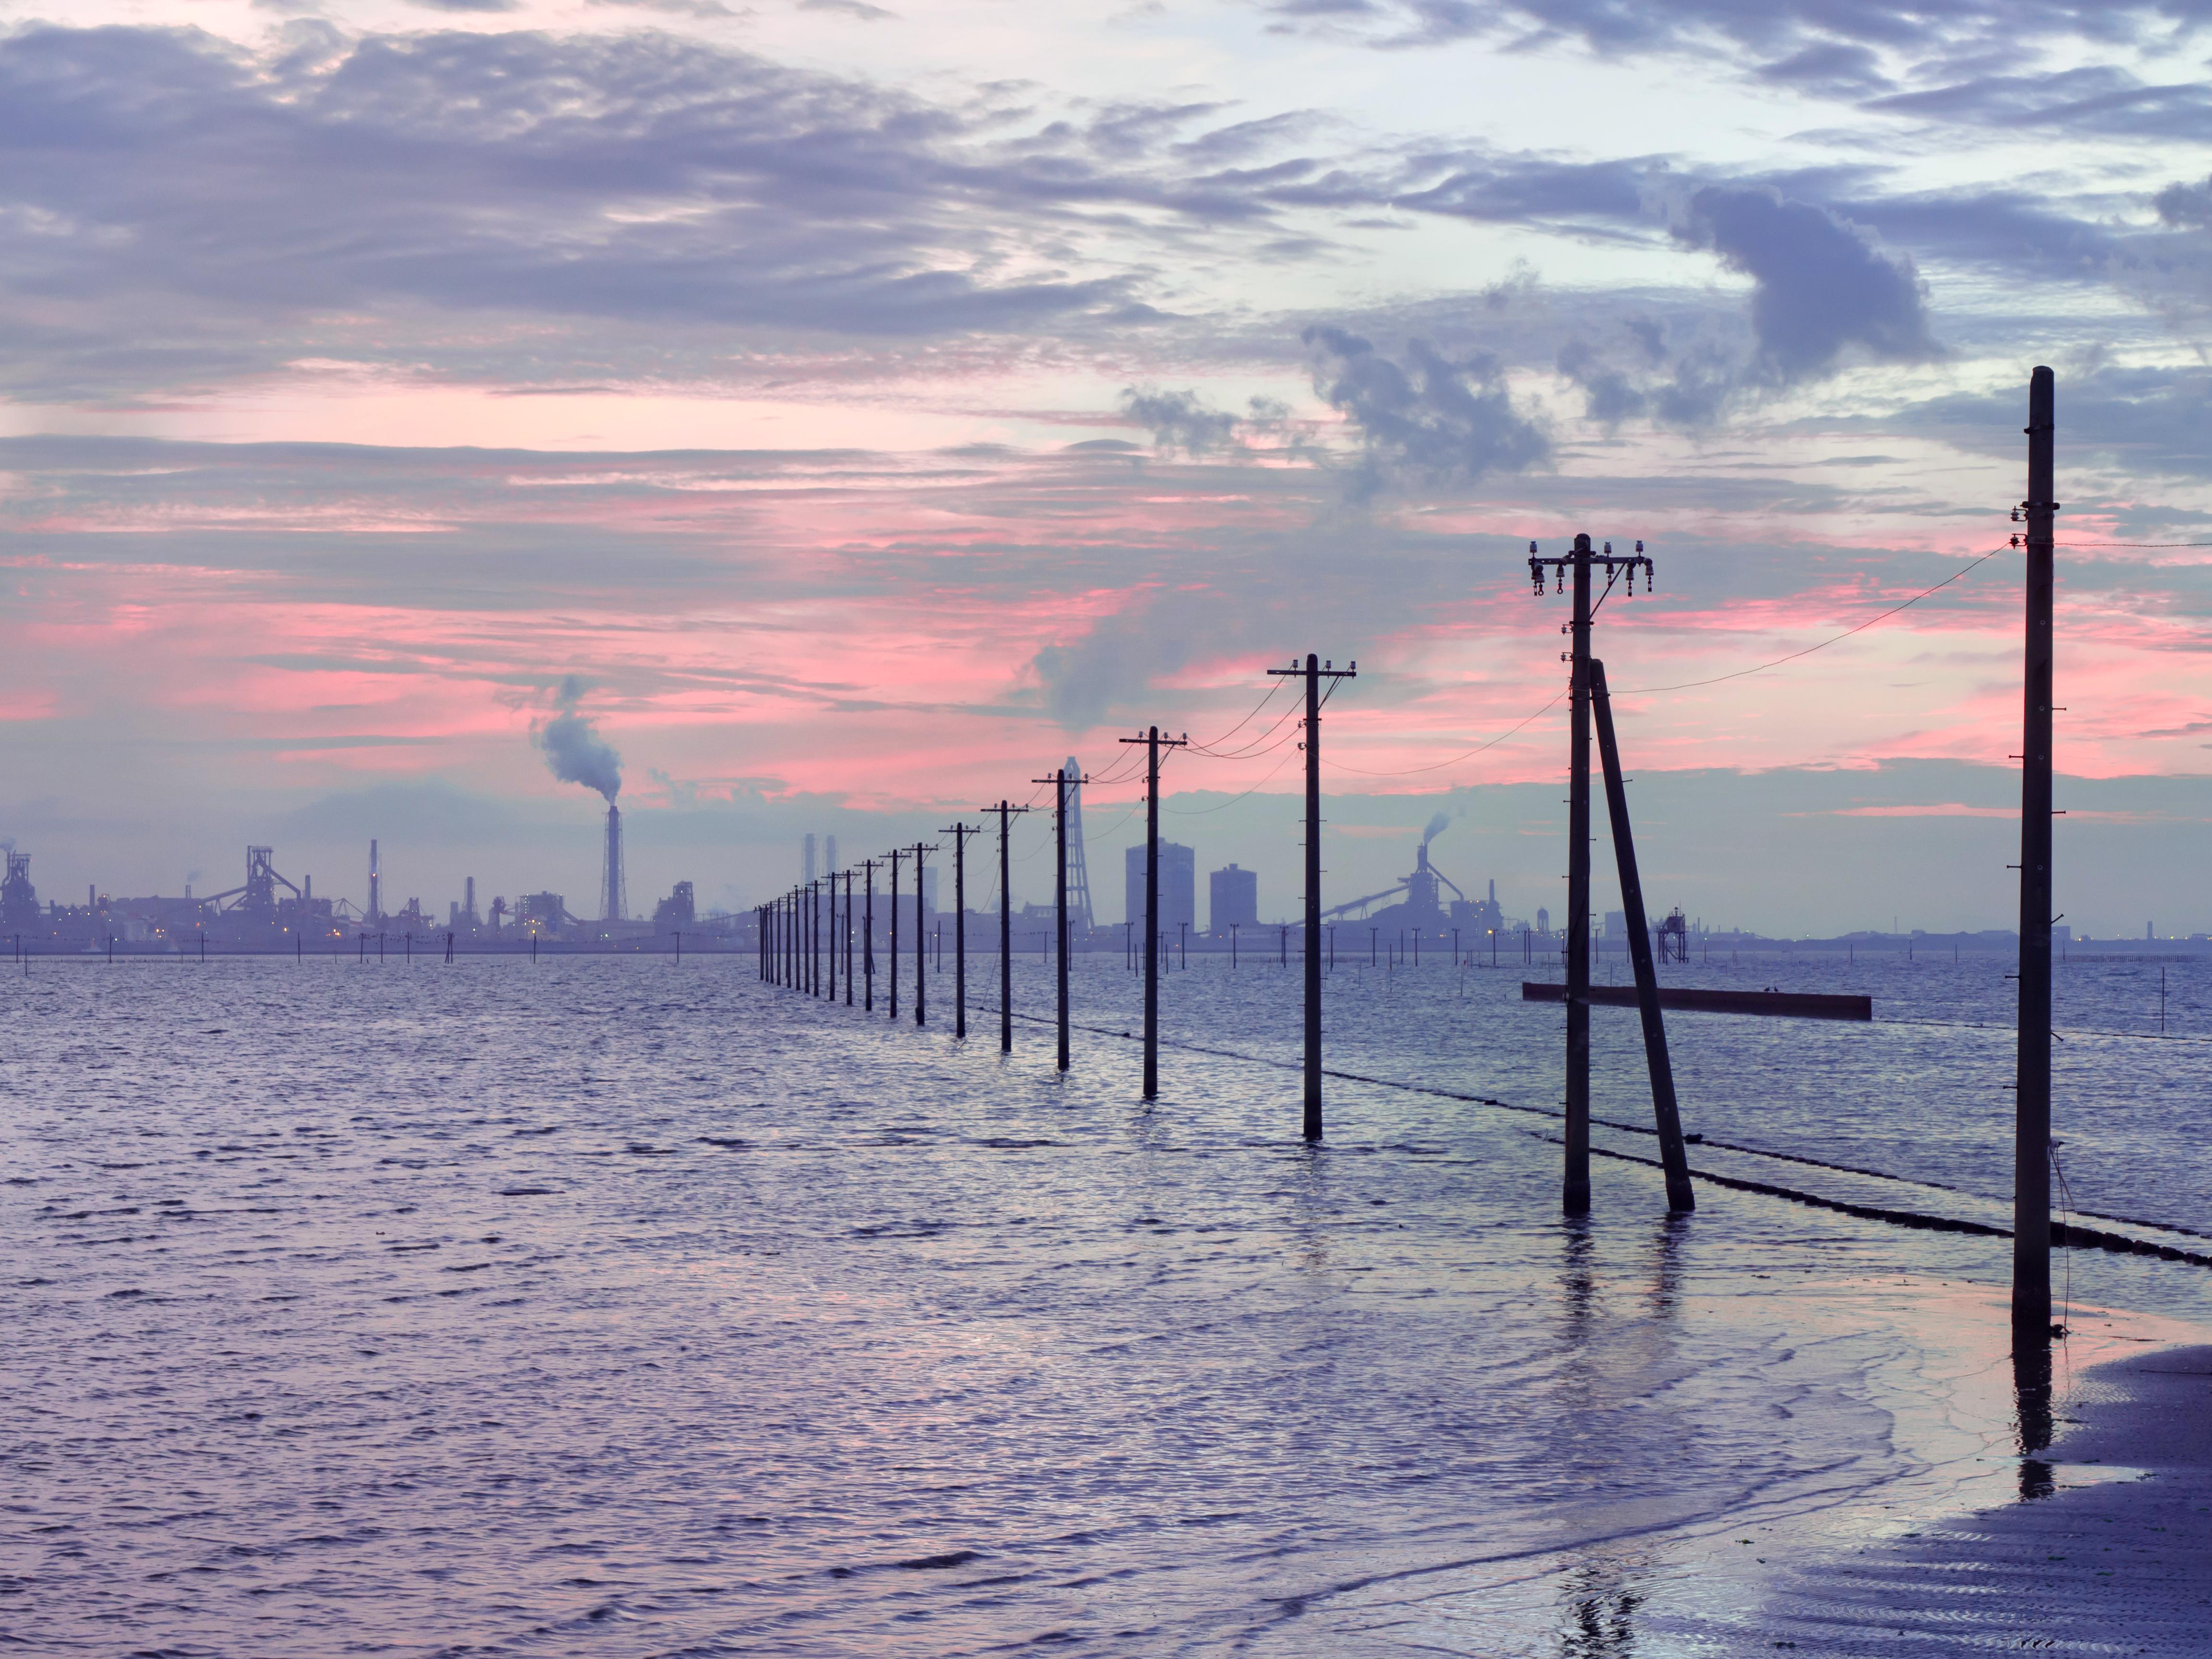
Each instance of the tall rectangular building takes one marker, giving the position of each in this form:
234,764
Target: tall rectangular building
1178,887
1232,898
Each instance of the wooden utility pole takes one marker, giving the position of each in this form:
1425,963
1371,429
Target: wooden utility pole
868,937
960,832
920,941
894,855
1006,929
1059,780
1575,1184
1153,742
1674,1157
2031,1224
849,939
1314,674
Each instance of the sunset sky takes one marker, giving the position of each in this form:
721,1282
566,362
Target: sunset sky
874,404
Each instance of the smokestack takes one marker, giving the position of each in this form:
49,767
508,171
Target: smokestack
611,890
470,890
375,903
808,861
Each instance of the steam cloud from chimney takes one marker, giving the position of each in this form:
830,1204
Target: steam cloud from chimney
573,747
1438,825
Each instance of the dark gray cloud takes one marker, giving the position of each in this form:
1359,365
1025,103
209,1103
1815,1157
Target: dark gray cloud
219,197
2090,99
1179,421
2186,206
1821,287
1430,420
1919,30
2136,421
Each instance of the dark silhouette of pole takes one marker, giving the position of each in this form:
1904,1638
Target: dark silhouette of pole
2031,1225
894,855
920,942
1060,781
849,939
1673,1157
1232,947
960,832
1575,1188
868,937
1006,813
828,936
1313,672
1152,741
1575,1185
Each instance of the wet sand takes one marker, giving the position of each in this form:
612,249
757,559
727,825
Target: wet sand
2108,1549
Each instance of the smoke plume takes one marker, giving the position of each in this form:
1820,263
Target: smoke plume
1438,825
574,748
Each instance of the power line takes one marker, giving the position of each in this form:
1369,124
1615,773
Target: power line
1686,685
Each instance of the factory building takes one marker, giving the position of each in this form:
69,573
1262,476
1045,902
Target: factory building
1178,887
1232,900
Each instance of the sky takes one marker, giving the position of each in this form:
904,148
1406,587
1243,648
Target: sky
845,412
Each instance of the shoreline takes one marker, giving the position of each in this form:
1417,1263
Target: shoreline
2106,1547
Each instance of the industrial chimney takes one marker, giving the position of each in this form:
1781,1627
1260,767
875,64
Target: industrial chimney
612,906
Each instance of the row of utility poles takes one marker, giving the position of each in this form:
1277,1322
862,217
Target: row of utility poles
791,937
802,934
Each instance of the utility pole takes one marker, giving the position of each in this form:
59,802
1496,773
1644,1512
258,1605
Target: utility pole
1059,780
2031,1203
1314,673
868,937
1152,740
828,936
894,855
1575,1186
920,942
849,939
1674,1159
1006,929
960,832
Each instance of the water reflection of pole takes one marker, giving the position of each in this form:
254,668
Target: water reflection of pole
2034,1423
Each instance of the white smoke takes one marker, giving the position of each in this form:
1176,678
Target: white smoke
573,747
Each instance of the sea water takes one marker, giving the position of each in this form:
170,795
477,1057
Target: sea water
627,1307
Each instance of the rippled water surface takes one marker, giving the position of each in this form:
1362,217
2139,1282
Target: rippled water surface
620,1307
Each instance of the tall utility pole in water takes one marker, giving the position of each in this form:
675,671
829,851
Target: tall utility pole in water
960,832
1575,1185
1314,674
868,938
894,855
1152,741
921,941
2031,1224
1060,782
1006,929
